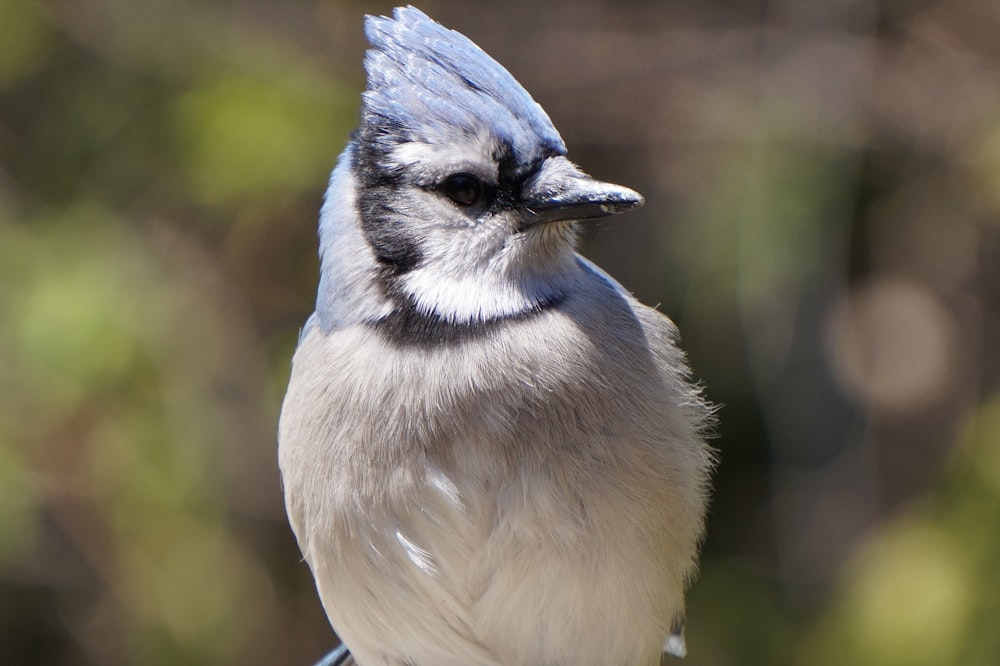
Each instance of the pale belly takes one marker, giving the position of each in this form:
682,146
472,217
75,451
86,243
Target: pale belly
536,517
516,574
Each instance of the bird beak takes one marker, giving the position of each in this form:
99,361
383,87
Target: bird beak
560,191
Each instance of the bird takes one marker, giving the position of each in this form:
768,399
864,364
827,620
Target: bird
491,453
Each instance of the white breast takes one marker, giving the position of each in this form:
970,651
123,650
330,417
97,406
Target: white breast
532,498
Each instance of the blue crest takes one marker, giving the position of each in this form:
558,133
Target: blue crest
426,82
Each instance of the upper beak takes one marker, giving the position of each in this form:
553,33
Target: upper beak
560,191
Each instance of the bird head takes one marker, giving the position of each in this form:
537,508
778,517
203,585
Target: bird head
454,203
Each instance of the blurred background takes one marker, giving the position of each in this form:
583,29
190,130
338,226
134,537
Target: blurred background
823,222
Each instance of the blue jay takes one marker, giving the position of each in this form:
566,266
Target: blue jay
492,454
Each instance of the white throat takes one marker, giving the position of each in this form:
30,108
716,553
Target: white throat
488,295
493,279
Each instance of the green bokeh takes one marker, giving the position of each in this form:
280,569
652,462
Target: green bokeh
248,136
161,169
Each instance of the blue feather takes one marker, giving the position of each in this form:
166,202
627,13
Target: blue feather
427,82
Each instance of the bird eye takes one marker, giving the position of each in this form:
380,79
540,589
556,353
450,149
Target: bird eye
463,188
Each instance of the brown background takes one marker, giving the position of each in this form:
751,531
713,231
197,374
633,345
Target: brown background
823,187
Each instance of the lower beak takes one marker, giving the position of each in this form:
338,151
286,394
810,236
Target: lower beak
560,191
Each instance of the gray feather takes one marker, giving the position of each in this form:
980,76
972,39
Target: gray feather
491,452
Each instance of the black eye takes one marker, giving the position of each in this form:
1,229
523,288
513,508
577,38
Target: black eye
463,188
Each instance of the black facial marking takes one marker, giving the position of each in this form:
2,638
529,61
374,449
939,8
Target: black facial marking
408,326
512,174
395,247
